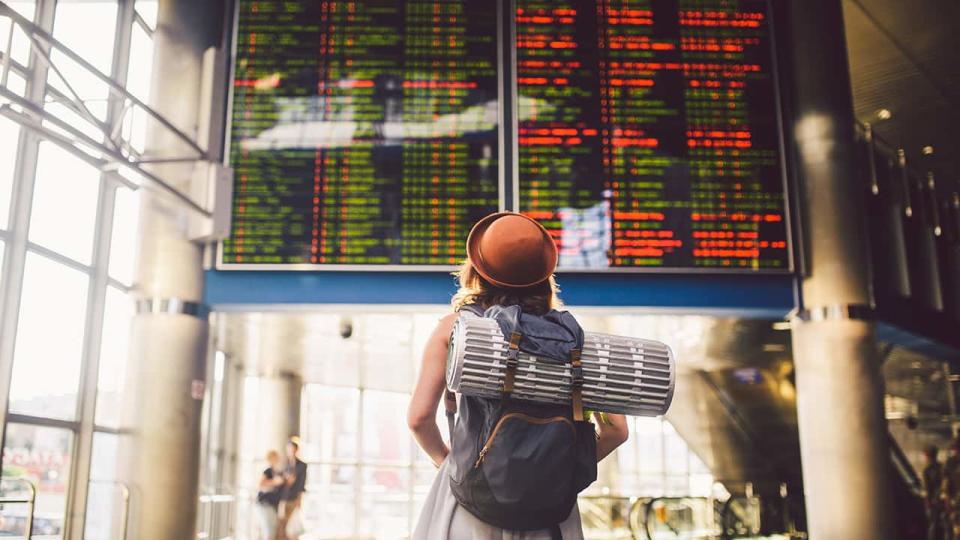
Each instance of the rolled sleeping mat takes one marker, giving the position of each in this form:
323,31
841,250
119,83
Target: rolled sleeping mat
622,375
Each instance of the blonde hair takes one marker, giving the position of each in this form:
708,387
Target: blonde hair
475,290
272,455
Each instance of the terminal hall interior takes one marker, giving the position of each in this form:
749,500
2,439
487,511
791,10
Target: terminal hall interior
229,228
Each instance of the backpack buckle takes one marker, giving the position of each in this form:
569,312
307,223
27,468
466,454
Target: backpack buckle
576,372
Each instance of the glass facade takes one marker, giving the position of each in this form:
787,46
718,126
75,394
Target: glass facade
367,477
66,232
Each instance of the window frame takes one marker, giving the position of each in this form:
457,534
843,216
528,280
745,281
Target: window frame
17,245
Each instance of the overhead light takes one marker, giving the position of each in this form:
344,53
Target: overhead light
927,150
884,114
782,325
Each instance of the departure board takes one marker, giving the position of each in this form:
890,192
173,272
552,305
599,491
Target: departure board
648,133
362,132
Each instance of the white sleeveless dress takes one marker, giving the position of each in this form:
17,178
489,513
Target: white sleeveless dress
442,518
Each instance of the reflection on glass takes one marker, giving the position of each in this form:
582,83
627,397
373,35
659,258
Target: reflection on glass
64,203
49,341
123,242
114,349
41,456
9,137
87,28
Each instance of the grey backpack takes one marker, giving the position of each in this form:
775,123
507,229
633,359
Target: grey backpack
519,465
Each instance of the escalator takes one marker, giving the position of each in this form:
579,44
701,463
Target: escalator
735,406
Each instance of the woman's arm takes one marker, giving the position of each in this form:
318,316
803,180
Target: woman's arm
422,415
612,434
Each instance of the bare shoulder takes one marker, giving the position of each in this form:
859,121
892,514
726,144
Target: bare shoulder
447,320
444,326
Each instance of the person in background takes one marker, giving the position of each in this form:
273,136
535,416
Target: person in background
932,486
268,496
294,485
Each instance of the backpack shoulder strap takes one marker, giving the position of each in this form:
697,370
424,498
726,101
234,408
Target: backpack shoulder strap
513,356
513,361
576,384
472,308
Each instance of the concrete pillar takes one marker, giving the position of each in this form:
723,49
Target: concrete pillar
839,387
278,411
166,373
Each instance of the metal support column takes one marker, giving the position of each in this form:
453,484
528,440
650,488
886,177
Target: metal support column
839,387
165,380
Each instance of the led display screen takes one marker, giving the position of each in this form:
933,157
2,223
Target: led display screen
648,132
367,133
363,132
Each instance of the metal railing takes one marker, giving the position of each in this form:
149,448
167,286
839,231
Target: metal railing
679,516
209,517
613,515
30,501
124,507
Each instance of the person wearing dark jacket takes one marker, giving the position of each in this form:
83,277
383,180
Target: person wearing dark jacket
268,496
294,486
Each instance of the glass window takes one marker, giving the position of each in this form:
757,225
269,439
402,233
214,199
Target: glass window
64,203
9,137
88,29
21,44
138,84
41,456
114,352
386,502
385,434
105,500
123,243
49,339
676,452
329,508
148,10
649,437
387,356
329,426
141,64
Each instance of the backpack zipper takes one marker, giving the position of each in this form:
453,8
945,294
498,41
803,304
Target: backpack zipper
526,417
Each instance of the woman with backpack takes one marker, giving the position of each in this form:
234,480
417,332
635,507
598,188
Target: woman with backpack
515,467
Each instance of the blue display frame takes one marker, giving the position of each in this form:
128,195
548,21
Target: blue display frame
764,295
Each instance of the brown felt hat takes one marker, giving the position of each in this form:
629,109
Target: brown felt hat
511,250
